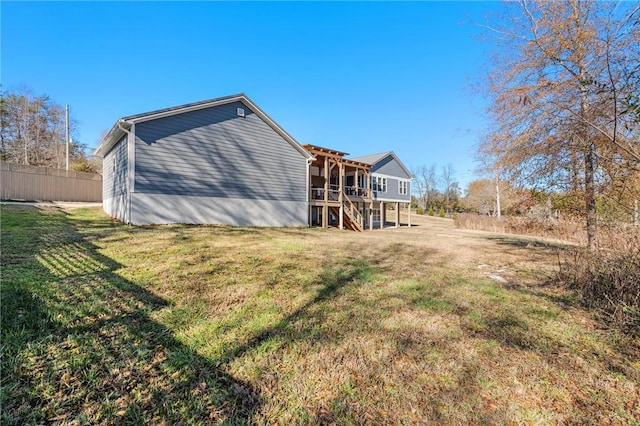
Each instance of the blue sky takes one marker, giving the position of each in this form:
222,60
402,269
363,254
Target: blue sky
357,77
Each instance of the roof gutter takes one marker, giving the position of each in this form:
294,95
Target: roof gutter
111,138
120,126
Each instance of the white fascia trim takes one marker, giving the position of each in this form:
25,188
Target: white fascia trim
390,177
185,109
391,200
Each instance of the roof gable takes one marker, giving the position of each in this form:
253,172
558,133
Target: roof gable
124,124
378,161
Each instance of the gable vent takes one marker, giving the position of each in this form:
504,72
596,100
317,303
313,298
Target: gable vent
240,112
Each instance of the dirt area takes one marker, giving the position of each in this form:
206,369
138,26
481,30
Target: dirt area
516,259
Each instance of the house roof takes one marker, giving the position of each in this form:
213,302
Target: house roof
374,159
123,125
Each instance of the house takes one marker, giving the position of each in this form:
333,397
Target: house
340,192
354,192
225,161
390,184
218,161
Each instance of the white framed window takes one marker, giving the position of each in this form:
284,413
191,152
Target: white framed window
403,187
380,184
376,215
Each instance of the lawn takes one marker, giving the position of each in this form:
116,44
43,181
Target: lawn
104,323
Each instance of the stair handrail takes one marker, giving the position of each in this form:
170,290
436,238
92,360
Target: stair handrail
352,210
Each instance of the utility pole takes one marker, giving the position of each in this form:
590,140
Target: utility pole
67,135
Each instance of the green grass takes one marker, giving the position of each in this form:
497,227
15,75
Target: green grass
102,323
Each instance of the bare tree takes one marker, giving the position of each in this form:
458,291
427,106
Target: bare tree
32,130
450,186
425,183
418,186
563,91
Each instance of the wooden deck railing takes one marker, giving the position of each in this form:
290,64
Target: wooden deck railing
317,192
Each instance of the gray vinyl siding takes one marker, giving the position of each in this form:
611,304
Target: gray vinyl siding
390,167
164,209
214,153
114,180
392,193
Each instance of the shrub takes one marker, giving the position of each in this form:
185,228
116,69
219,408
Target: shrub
608,279
431,211
566,229
420,210
441,212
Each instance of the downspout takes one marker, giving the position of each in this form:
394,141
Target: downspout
308,190
130,142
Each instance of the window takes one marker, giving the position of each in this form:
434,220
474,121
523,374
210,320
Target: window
379,184
403,187
376,215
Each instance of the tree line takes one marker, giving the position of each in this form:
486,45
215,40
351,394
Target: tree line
33,132
435,192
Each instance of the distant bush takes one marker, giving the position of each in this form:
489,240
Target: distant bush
608,279
566,229
420,210
431,213
441,212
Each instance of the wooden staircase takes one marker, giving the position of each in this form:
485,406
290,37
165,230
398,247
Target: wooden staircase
352,218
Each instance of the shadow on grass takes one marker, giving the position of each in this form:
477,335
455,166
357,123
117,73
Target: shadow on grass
527,242
79,343
333,282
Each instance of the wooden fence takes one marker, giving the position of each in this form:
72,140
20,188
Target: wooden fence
22,182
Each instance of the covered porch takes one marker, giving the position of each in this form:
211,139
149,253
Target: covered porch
340,192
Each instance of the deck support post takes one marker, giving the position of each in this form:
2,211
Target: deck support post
409,214
397,214
340,194
355,181
325,207
383,214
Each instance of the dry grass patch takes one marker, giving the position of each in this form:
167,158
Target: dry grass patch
201,325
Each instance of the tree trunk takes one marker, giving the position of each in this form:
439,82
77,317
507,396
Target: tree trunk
590,197
589,166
